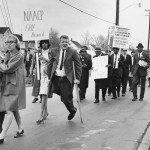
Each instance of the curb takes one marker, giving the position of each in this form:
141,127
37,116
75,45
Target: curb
145,141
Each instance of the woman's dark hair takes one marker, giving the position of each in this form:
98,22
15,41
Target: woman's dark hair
44,41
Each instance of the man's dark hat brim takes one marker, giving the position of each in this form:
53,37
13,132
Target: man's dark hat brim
140,45
84,48
116,48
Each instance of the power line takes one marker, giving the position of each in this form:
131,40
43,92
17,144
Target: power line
6,13
9,16
3,16
86,12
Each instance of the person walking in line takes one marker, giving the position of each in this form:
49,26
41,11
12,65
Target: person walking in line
127,68
44,81
86,61
130,74
141,63
100,83
116,70
63,63
13,93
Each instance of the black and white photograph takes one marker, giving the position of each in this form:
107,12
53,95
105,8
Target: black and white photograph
74,74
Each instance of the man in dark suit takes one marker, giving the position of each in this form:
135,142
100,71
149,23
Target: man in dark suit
100,83
130,73
64,61
86,61
116,70
127,67
141,63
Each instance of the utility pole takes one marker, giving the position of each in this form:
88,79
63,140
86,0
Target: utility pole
148,30
117,12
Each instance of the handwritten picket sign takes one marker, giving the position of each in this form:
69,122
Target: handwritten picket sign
34,27
121,37
100,71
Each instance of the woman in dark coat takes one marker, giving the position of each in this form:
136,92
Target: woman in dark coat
13,93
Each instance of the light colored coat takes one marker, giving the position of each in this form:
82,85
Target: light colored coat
13,93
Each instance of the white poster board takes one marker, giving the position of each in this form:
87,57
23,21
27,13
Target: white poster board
100,71
121,37
34,27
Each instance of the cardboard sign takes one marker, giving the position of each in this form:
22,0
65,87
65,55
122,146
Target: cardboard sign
100,71
34,27
121,37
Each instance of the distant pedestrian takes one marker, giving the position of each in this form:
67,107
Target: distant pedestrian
141,63
116,70
13,93
86,61
127,68
130,73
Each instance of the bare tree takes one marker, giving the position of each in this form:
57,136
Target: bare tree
86,39
54,38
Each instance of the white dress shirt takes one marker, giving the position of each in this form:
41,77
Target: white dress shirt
59,72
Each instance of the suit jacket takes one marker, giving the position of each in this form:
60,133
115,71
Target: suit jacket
127,65
120,65
70,57
136,66
86,59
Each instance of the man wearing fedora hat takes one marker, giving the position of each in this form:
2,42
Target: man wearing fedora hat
115,64
141,63
86,61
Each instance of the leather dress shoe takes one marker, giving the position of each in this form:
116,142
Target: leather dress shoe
96,101
114,97
71,116
123,94
34,100
1,141
19,134
134,99
141,99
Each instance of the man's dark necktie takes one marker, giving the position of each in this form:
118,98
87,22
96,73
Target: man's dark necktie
62,59
139,56
115,61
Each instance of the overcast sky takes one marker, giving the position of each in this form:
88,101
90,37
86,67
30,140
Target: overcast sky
69,21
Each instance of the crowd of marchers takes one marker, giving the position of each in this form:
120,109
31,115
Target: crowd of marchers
56,70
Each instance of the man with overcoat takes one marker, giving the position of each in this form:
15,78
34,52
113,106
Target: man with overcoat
63,64
86,61
141,63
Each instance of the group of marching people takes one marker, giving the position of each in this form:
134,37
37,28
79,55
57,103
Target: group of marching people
122,68
59,69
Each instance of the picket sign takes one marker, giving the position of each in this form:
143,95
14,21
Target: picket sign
34,29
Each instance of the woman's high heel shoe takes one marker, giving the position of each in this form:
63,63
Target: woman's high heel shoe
40,121
19,134
1,141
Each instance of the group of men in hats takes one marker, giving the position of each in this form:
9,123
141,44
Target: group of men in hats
122,68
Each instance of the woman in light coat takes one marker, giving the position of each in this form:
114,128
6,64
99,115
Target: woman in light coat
13,94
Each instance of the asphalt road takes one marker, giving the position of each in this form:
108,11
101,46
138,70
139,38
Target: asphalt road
112,125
